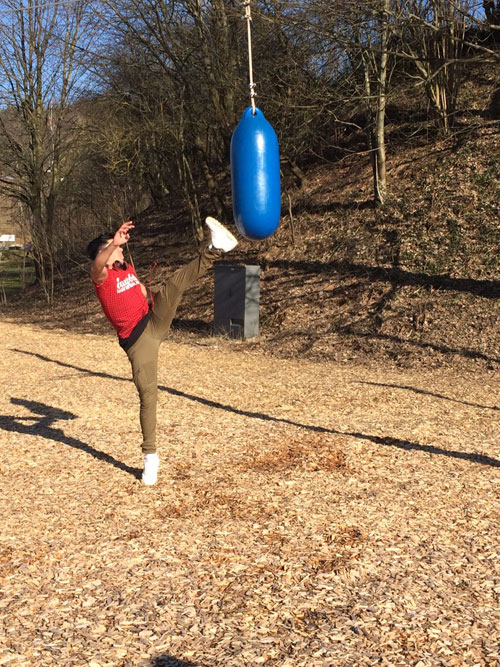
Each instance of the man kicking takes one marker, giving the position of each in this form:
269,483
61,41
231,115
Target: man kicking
140,325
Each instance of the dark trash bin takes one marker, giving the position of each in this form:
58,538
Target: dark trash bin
236,300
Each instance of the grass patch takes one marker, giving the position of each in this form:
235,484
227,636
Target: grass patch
15,273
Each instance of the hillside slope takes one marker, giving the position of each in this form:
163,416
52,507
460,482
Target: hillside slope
415,281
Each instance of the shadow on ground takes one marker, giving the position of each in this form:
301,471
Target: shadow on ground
42,424
396,276
169,661
424,392
472,457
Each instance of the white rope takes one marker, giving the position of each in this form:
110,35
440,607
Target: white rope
251,84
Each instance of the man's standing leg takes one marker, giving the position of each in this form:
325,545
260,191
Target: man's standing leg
143,356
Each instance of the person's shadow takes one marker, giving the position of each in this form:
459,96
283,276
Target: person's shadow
169,661
42,423
388,441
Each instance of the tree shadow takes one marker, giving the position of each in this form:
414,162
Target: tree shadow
388,441
44,416
444,349
424,392
489,289
333,207
169,661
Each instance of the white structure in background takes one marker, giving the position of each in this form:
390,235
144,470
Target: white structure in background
8,241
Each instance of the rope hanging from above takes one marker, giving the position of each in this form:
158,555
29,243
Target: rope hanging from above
251,84
255,165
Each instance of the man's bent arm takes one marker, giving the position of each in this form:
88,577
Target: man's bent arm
98,270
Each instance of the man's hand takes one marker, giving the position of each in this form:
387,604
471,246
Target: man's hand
122,235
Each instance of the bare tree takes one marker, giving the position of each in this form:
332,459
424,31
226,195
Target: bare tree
492,11
433,35
372,44
40,68
358,37
191,53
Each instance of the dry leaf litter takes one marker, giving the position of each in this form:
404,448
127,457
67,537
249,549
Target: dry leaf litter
306,514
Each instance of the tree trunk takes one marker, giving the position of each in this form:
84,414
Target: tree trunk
382,104
370,124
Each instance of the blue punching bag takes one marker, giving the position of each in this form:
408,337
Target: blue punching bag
255,176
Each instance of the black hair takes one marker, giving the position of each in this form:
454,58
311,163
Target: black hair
94,246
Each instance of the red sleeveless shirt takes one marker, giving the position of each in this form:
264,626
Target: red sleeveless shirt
122,299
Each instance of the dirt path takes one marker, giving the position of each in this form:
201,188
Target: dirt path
306,514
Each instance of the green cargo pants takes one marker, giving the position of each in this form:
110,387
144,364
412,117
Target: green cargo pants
143,354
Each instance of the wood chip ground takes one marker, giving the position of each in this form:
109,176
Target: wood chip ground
306,514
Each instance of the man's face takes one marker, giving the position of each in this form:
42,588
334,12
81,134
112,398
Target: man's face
116,255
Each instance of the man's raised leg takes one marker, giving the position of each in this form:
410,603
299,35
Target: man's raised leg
167,299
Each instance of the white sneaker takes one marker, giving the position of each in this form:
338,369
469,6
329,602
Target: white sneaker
222,239
150,472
